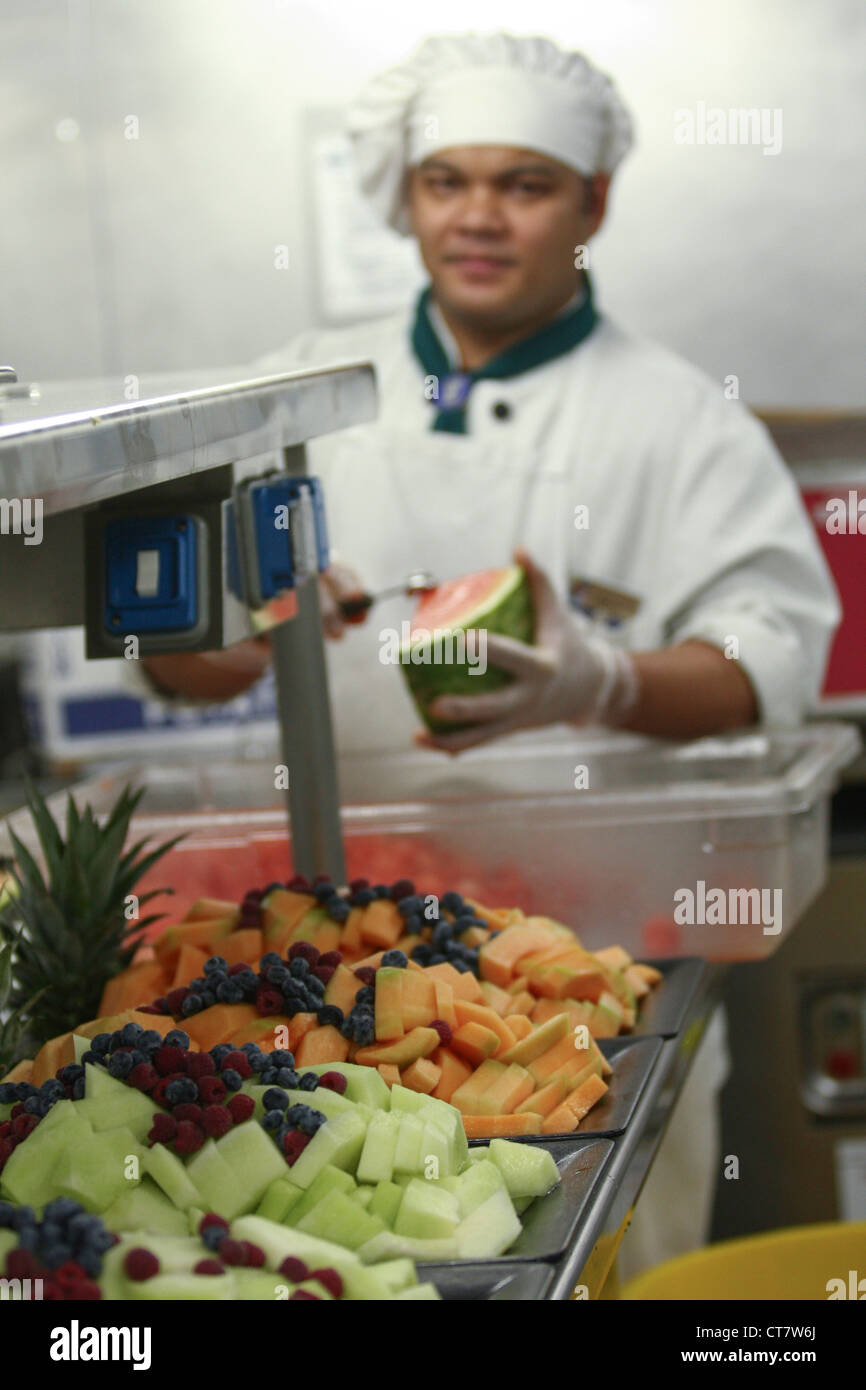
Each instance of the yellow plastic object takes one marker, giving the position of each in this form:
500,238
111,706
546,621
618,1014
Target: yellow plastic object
805,1262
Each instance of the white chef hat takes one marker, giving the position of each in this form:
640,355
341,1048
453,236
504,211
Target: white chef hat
483,89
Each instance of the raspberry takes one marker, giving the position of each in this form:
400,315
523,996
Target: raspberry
174,999
208,1267
211,1090
240,1107
217,1120
6,1148
20,1264
211,1219
5,1129
189,1138
323,972
17,1109
158,1092
333,958
163,1129
443,1029
366,974
330,1280
69,1274
254,1256
305,950
295,1270
198,1064
149,1008
169,1060
294,1144
140,1264
403,888
268,1001
237,1061
236,969
334,1081
357,884
232,1252
24,1125
143,1077
88,1290
188,1111
304,1294
298,884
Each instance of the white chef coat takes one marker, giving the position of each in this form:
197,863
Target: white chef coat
690,509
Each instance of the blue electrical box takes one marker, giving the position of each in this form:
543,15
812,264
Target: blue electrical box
151,575
271,507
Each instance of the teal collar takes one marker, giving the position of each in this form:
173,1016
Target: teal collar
556,338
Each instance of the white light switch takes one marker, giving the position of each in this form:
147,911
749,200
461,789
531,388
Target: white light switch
147,574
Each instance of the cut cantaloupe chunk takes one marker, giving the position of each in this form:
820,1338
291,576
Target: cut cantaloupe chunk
218,1023
636,982
206,909
520,1026
463,983
138,984
243,947
614,957
267,1032
498,999
507,1092
548,1098
567,978
418,999
467,1097
22,1071
445,1002
538,1041
163,1023
342,988
389,1073
497,917
382,924
521,1003
206,933
421,1075
389,1003
299,1026
321,1044
576,1105
648,973
562,1057
189,964
498,957
474,1042
560,950
285,908
562,1120
501,1126
55,1053
351,939
467,1012
375,960
419,1043
453,1072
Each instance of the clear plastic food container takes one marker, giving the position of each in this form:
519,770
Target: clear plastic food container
711,848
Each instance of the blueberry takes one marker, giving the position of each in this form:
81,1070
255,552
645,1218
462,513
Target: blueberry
463,966
315,987
247,979
260,1061
308,1082
21,1217
329,1016
28,1239
396,958
61,1209
299,967
53,1088
275,1099
287,1078
314,1122
268,1077
139,1056
78,1088
231,1079
120,1065
150,1040
100,1044
277,975
221,1050
91,1263
176,1037
230,992
93,1058
54,1252
33,1105
251,1049
281,1058
192,1004
365,1031
362,898
23,1089
218,963
268,959
422,953
272,1120
338,909
381,890
7,1210
464,912
184,1091
213,1237
437,958
7,1093
347,1027
406,906
208,998
323,891
442,935
413,924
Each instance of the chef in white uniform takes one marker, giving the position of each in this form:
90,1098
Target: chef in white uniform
679,587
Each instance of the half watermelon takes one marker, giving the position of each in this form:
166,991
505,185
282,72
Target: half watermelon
438,659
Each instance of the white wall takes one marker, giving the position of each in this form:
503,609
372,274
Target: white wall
152,254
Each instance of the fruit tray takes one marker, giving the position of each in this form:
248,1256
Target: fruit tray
501,1282
549,1226
662,1011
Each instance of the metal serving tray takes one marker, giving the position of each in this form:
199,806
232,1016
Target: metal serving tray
493,1281
549,1225
662,1011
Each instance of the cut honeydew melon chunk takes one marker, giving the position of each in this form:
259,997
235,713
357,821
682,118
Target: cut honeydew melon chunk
80,1045
218,1183
194,1216
446,1116
490,1229
97,1168
479,1182
369,1284
387,1245
410,1140
109,1104
385,1202
427,1212
279,1241
363,1083
279,1200
521,1203
261,1284
112,1281
177,1254
255,1159
420,1293
438,1150
26,1177
8,1241
528,1171
405,1100
339,1141
171,1175
314,1287
479,1155
146,1208
326,1180
397,1274
337,1218
376,1163
328,1103
363,1196
219,1288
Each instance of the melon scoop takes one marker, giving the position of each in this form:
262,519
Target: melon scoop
419,582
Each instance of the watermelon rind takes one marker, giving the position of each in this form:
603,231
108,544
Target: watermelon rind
507,610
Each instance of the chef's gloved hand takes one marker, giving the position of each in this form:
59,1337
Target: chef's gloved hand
337,583
569,675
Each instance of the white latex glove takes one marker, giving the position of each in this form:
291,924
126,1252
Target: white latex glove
335,583
569,675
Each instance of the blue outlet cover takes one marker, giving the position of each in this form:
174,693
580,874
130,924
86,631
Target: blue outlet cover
151,574
273,540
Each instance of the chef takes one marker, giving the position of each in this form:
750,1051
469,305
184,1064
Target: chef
678,587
